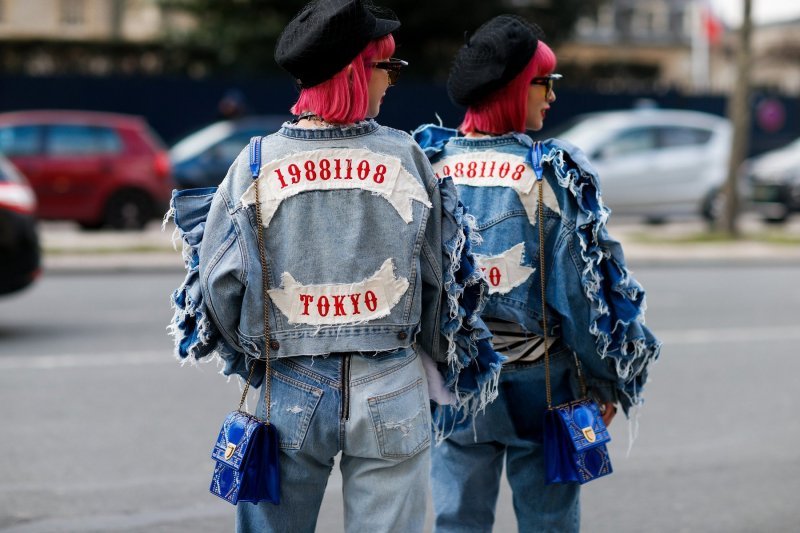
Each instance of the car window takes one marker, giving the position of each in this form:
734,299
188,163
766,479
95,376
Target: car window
67,139
8,173
19,140
674,136
629,142
228,149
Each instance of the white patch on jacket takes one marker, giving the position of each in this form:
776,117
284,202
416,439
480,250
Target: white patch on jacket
488,168
333,170
505,271
341,303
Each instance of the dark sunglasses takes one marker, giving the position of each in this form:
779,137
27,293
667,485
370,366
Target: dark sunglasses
547,81
392,67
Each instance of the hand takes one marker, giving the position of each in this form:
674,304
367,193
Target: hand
608,410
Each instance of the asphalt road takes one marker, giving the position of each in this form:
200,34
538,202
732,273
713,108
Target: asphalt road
103,431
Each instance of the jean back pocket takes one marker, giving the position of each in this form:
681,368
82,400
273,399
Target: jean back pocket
401,420
293,405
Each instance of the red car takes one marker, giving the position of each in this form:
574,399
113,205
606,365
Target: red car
98,169
19,240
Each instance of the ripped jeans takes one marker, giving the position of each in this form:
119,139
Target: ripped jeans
380,421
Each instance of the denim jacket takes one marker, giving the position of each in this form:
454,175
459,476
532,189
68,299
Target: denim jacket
593,303
366,251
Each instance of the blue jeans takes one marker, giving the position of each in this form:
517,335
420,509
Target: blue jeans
385,442
466,467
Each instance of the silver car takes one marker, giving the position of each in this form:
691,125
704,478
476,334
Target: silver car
775,182
655,163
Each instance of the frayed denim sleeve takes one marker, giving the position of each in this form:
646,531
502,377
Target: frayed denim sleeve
470,366
196,331
195,335
604,322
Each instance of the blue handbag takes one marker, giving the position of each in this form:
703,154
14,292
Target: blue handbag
575,435
246,452
246,455
575,439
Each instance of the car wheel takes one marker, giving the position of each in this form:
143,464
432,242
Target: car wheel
779,219
91,226
714,205
129,210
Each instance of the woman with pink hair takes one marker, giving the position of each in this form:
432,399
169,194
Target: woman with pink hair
365,291
560,298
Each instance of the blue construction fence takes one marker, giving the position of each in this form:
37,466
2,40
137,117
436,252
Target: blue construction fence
176,106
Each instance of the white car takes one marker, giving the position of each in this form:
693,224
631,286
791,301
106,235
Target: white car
655,163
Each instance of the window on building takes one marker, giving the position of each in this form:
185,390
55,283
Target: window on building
73,12
680,22
2,11
650,20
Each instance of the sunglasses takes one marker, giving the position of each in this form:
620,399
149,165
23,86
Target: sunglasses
547,81
392,67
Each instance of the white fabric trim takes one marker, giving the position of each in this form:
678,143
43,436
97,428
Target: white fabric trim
342,303
505,271
336,169
489,168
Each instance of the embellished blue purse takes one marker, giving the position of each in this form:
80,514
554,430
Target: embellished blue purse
247,449
575,439
575,435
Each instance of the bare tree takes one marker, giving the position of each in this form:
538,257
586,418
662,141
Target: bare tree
739,113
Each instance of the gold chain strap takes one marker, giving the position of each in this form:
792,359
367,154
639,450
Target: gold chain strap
262,255
540,216
539,205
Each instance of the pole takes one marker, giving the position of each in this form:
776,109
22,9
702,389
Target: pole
700,48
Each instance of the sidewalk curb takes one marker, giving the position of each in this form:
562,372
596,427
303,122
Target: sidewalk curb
112,263
635,257
68,250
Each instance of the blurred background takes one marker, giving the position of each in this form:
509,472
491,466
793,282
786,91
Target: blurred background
687,108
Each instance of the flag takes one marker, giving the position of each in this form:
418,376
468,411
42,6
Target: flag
713,27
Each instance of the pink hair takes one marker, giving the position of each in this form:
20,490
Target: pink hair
344,98
505,109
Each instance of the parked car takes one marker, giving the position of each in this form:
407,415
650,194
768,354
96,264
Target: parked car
202,158
774,179
655,163
19,240
94,168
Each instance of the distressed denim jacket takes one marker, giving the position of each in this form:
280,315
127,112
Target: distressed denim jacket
597,307
366,250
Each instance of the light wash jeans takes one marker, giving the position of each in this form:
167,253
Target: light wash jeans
385,444
466,467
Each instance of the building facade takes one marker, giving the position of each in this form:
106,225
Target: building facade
96,37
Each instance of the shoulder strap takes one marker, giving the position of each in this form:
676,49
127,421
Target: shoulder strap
535,159
255,169
535,156
255,156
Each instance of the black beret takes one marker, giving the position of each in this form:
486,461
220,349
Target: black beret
491,58
326,35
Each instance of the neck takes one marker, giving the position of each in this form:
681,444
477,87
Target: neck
308,119
480,133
